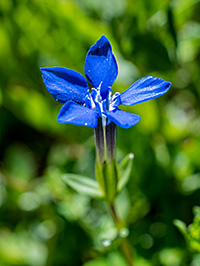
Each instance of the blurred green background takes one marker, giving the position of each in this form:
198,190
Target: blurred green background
44,222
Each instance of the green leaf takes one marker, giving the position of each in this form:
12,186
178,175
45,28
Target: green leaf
196,211
156,60
192,231
1,98
125,171
83,185
97,262
181,227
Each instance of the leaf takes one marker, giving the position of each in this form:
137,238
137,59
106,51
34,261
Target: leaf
192,231
125,171
1,97
196,211
83,185
172,28
122,205
181,227
153,56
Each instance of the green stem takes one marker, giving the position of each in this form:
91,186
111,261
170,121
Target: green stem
125,245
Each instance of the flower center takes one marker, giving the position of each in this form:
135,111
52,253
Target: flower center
94,101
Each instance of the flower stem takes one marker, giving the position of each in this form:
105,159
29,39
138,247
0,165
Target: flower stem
125,245
106,170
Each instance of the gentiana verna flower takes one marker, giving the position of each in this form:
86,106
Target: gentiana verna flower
84,107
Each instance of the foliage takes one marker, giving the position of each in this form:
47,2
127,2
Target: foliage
192,232
37,209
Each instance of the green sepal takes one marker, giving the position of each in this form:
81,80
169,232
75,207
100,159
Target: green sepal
110,172
107,176
83,185
125,171
99,177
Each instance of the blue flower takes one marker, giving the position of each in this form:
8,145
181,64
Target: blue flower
84,107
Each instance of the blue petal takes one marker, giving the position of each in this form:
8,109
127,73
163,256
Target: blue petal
101,66
76,114
123,119
65,84
144,89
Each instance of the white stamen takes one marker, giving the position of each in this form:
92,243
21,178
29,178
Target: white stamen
103,120
92,103
98,96
113,101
